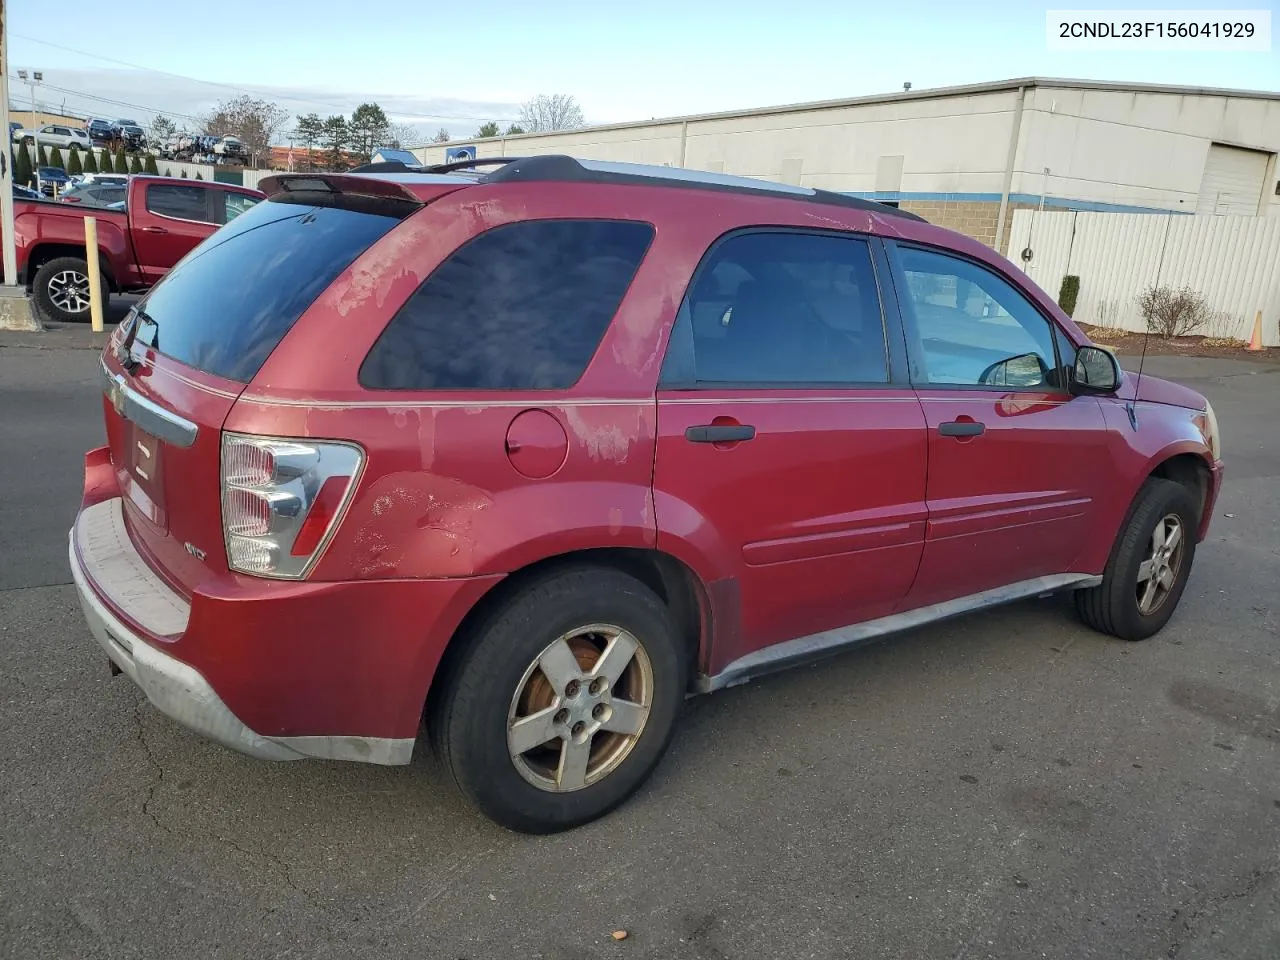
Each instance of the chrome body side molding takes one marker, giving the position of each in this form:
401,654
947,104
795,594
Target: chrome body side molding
819,645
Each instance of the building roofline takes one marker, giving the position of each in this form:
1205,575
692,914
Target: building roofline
929,93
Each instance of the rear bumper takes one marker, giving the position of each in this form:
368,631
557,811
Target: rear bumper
175,689
275,670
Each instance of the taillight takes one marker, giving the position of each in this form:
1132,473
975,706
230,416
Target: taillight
281,500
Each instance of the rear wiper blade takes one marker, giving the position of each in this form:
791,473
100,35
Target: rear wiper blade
125,351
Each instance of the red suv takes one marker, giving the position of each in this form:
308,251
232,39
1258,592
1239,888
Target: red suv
530,455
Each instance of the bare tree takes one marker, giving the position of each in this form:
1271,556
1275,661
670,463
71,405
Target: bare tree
404,135
551,111
254,121
442,136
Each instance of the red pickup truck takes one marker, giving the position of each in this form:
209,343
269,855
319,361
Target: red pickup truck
162,220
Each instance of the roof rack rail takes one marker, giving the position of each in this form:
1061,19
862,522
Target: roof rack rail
562,168
470,164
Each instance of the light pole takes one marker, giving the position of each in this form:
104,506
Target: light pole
35,77
15,308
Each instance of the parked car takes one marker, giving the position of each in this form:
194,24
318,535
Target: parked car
24,193
51,180
537,452
161,222
57,135
99,131
94,194
130,134
121,179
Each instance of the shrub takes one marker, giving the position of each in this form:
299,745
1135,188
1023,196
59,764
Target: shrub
150,166
1068,293
74,165
90,162
135,165
104,162
43,156
199,175
184,175
22,171
1173,313
55,159
121,163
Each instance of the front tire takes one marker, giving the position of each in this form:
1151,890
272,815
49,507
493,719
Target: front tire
1149,565
564,701
61,289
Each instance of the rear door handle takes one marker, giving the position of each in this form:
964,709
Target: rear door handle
961,428
720,433
154,230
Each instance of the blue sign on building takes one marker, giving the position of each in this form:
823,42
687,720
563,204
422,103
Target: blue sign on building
453,154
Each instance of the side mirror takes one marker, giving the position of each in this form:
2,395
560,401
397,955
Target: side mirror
1096,371
1025,370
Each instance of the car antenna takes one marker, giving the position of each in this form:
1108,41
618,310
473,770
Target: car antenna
1132,407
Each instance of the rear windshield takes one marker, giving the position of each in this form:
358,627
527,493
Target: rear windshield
231,301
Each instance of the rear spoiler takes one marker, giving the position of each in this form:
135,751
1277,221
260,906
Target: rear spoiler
337,183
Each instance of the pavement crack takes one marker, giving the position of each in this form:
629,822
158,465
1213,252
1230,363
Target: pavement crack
1189,924
155,764
282,866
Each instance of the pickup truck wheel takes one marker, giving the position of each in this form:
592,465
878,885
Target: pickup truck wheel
1149,565
563,702
61,289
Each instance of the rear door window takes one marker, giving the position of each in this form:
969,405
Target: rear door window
226,306
230,205
520,307
787,309
178,202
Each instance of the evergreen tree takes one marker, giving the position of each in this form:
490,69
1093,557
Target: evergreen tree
22,172
104,161
199,176
43,156
184,174
55,159
122,163
74,165
135,165
150,166
90,162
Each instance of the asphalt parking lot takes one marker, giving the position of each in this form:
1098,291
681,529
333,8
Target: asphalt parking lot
1008,785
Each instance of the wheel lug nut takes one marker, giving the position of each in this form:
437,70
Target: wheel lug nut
562,716
578,728
571,688
597,685
598,712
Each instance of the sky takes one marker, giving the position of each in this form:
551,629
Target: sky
434,65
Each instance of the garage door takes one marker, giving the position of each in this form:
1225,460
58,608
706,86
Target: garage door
1233,179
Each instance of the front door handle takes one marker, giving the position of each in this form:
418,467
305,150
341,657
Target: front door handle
720,433
961,428
154,230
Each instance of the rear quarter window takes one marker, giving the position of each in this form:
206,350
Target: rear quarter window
520,307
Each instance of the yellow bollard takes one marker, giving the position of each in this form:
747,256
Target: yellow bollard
95,274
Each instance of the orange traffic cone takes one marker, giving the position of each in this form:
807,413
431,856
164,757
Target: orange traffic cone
1255,341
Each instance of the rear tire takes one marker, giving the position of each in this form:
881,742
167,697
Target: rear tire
586,666
61,290
1147,573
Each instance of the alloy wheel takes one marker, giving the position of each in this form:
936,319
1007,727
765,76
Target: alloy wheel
1158,572
580,708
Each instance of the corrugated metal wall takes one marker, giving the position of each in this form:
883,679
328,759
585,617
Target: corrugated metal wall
1233,261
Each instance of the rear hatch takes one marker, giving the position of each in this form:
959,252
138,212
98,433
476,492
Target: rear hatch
182,357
